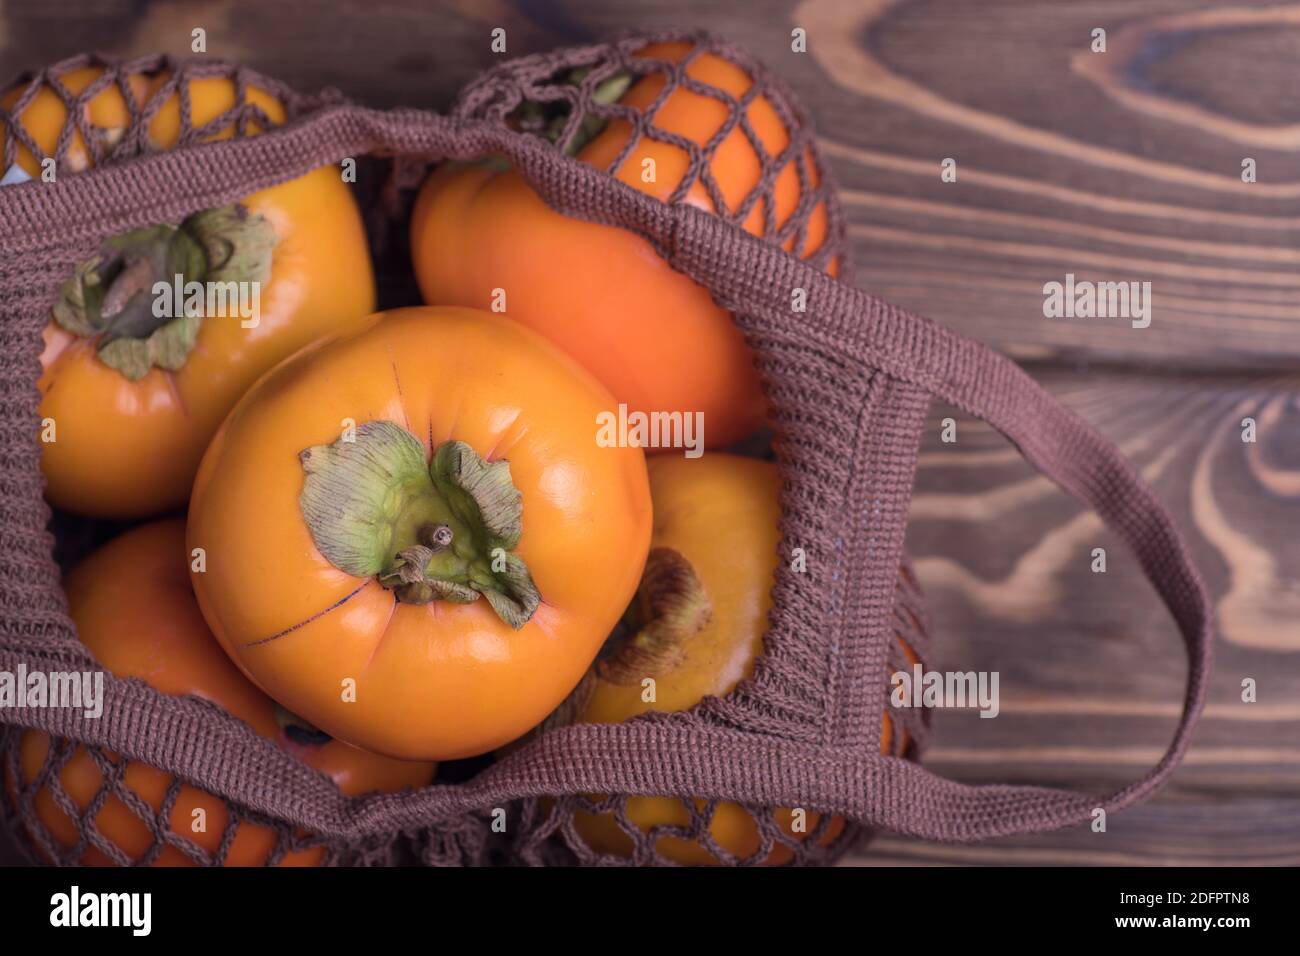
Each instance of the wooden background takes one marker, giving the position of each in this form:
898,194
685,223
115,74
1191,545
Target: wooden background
1115,166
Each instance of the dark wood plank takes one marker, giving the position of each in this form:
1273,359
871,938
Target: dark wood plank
1191,831
1123,165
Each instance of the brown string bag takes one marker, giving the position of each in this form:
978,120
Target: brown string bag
849,382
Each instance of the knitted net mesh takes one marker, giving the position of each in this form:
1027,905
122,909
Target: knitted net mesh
78,81
52,824
564,98
787,768
587,828
558,99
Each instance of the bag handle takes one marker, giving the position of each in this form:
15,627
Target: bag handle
843,320
1073,455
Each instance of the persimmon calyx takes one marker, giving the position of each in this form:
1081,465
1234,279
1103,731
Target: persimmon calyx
670,607
111,296
551,118
441,531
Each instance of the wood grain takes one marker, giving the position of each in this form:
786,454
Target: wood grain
1091,671
1115,166
1169,831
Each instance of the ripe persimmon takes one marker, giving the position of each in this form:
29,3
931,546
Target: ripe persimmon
135,611
135,383
652,335
696,628
413,538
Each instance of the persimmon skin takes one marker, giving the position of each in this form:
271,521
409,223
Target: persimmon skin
721,513
440,680
135,610
653,336
126,449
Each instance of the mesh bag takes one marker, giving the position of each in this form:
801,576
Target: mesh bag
849,382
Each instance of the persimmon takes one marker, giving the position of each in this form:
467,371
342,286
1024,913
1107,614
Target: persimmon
652,335
413,538
135,610
135,382
695,628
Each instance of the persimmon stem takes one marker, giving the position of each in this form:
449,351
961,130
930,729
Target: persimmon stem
607,91
445,530
110,297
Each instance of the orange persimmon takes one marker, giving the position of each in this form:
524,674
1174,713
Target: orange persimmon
414,539
135,383
696,628
652,335
135,610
